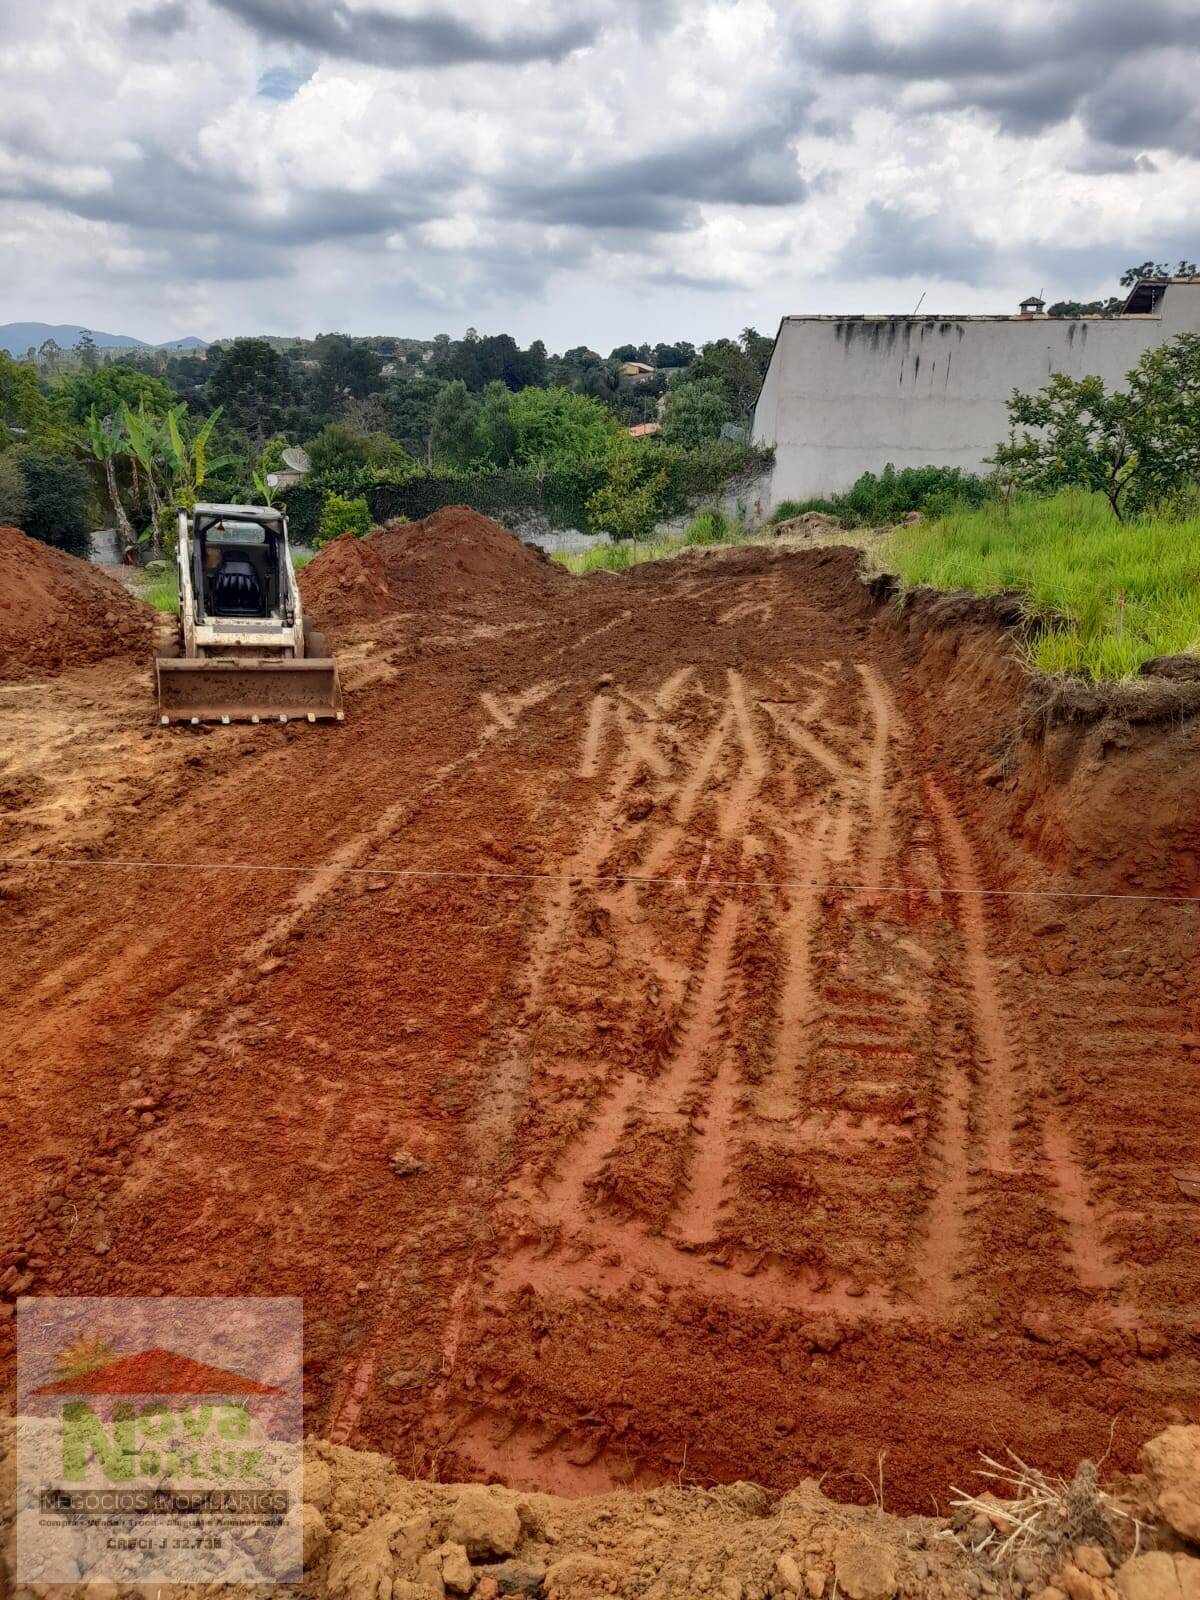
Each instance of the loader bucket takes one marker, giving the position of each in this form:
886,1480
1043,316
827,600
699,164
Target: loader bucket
248,690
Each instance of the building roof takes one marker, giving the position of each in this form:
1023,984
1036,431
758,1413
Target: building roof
642,430
1146,293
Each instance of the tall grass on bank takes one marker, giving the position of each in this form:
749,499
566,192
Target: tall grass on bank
1113,594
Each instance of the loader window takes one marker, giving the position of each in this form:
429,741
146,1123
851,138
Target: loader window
241,570
238,533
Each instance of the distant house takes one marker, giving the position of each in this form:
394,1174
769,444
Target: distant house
637,371
642,430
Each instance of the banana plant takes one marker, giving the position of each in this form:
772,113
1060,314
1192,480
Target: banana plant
144,444
104,441
186,454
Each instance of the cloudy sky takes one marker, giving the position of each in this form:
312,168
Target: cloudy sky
585,171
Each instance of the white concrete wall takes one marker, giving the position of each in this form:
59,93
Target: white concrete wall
846,395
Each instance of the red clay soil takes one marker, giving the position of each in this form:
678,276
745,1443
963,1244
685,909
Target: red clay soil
57,611
741,1134
454,560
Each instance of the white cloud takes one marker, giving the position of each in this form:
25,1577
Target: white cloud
585,173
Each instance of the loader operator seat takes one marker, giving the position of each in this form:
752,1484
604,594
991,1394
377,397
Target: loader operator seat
237,589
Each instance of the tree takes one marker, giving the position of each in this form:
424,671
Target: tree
1110,307
1156,269
338,448
1164,393
14,497
347,369
23,406
340,515
559,427
252,384
1135,446
85,349
454,432
695,413
106,391
404,409
726,361
758,348
49,354
497,430
674,355
57,494
629,503
185,454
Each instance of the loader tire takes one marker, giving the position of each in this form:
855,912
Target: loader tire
316,645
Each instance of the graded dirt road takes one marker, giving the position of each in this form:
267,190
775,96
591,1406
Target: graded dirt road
728,1157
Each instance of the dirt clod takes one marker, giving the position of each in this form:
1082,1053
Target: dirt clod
866,1569
1172,1463
484,1524
1159,1576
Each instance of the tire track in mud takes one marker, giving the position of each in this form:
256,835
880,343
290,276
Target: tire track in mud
576,1233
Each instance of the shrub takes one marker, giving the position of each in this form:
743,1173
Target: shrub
339,515
711,527
57,492
873,501
14,500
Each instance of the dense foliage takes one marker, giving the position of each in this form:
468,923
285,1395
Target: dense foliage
404,425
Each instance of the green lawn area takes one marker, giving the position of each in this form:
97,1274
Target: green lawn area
161,591
1071,558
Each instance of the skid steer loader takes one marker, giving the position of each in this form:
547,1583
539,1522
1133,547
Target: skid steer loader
243,652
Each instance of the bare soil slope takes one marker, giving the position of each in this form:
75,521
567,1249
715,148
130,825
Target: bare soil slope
454,560
57,611
744,1136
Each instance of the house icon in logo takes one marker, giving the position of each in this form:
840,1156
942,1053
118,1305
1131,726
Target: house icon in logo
156,1372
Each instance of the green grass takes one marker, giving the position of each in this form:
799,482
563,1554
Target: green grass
1072,561
160,591
709,527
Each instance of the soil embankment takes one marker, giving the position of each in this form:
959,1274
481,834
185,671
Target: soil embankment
690,933
57,611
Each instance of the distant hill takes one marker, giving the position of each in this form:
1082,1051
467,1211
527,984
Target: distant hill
18,337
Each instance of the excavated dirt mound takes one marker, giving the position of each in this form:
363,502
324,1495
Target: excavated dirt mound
367,1532
699,1028
454,560
57,611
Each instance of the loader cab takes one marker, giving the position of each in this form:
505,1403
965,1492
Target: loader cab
240,565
